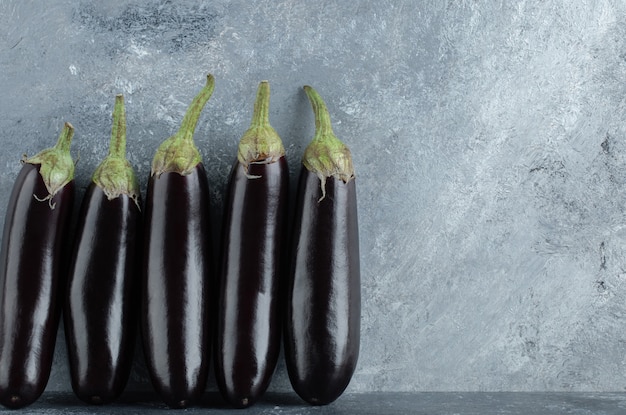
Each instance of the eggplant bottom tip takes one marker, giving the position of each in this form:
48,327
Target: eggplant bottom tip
180,404
15,402
241,403
96,400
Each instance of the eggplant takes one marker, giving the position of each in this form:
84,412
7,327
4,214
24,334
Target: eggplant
101,299
323,296
248,317
177,281
31,259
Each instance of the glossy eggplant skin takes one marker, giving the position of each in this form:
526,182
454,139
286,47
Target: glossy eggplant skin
101,302
249,322
323,296
176,285
30,270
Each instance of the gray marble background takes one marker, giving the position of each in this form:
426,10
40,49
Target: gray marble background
488,139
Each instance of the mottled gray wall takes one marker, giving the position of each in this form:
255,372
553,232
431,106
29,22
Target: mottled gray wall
488,138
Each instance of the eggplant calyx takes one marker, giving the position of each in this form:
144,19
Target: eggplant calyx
260,144
175,155
56,166
115,175
326,155
179,153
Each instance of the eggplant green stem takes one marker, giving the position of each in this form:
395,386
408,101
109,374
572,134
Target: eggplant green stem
260,143
326,155
115,175
179,153
56,166
261,113
117,146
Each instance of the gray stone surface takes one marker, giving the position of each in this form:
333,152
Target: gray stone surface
387,403
488,139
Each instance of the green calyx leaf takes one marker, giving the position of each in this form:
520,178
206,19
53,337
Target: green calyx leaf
115,176
56,166
326,155
179,153
260,143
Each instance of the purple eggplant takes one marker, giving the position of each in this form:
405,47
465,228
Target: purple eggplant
248,323
31,260
101,298
176,281
323,295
